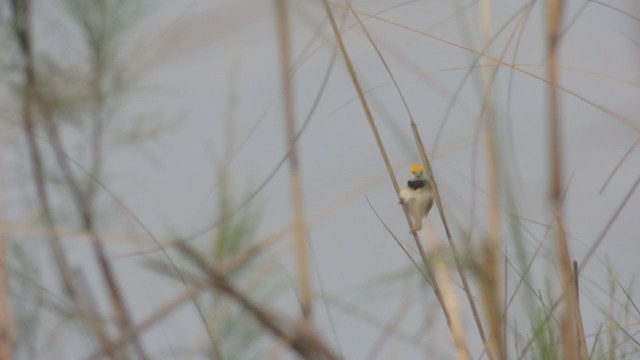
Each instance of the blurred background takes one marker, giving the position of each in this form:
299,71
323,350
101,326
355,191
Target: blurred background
128,126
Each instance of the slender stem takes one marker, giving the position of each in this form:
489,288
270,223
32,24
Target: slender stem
6,322
568,323
582,341
300,229
490,284
361,96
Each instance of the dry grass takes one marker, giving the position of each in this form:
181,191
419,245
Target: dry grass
519,310
299,219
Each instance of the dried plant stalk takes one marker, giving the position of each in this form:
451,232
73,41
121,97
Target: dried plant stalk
490,284
6,324
570,311
299,225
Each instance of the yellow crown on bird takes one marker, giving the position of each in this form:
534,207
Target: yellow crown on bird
416,169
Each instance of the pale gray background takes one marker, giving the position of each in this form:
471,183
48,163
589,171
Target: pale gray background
182,56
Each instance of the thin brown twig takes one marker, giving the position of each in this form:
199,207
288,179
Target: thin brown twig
595,341
361,96
426,276
619,164
505,289
592,250
300,230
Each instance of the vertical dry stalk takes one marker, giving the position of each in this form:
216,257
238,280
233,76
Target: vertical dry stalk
300,231
570,313
363,100
97,135
448,289
490,278
365,106
6,323
22,20
495,308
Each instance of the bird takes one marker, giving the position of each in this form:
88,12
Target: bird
417,196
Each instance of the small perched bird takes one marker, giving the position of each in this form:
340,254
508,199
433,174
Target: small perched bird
417,196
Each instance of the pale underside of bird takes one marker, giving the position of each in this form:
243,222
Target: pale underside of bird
417,196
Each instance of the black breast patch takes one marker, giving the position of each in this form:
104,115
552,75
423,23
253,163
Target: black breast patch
416,184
